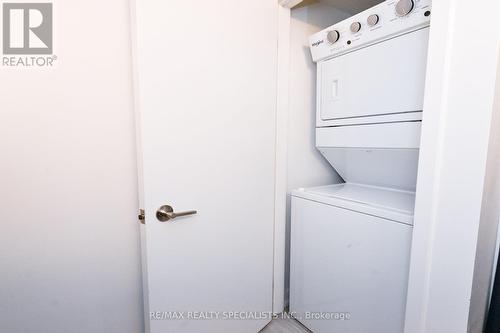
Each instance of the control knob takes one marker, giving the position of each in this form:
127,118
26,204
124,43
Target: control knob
372,20
355,27
404,7
333,36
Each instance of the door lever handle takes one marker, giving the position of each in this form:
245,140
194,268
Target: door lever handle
166,213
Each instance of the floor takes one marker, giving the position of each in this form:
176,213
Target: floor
284,326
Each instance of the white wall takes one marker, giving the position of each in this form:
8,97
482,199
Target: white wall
305,167
69,248
352,6
458,113
490,214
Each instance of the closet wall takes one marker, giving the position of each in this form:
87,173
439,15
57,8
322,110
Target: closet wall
305,165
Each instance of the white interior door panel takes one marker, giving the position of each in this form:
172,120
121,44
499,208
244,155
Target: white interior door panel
206,74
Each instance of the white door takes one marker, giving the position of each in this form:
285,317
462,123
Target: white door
206,82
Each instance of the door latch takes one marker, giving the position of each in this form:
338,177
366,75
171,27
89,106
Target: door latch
142,216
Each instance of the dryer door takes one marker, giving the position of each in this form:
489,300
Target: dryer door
385,78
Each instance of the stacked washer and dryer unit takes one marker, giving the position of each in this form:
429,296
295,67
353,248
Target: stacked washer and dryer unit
350,242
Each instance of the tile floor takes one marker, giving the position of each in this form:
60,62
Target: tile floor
284,326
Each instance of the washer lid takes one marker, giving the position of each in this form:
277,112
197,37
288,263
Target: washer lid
387,203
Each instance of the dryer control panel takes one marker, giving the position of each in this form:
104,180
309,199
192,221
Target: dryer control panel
383,21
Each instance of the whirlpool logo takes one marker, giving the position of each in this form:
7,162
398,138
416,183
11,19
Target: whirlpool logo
28,35
319,42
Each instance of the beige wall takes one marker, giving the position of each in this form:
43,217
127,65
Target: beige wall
69,247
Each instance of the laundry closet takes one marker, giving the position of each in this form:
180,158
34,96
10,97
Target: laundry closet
251,166
350,221
279,156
